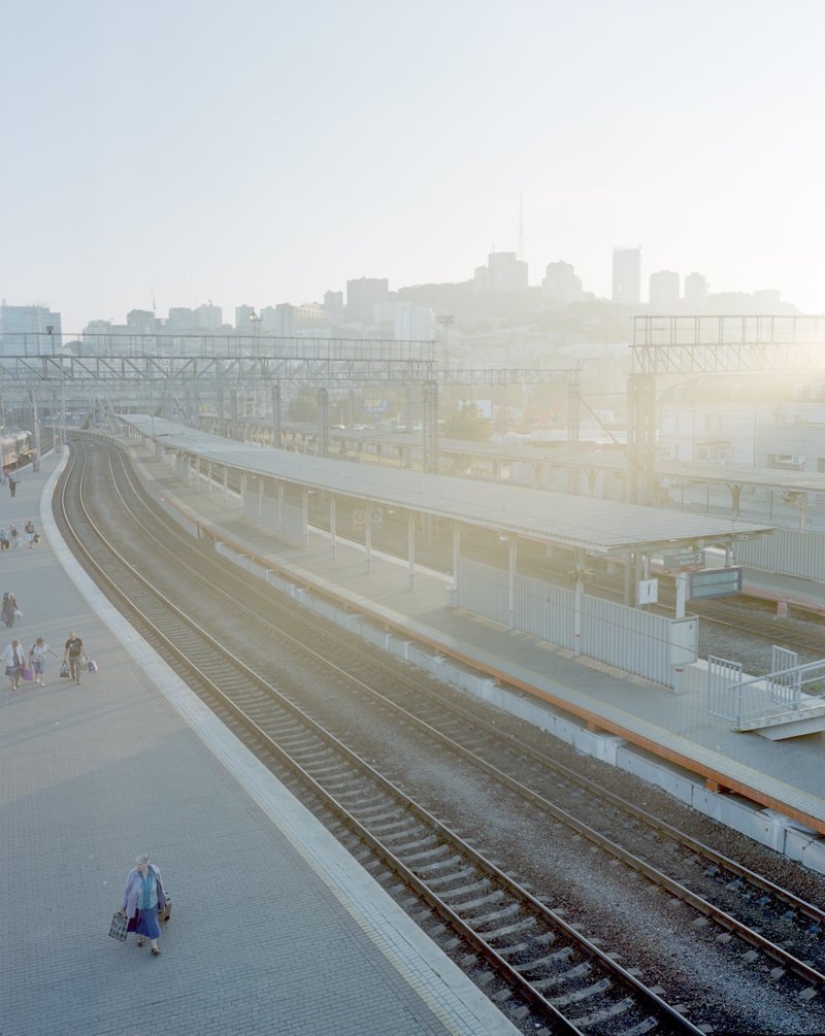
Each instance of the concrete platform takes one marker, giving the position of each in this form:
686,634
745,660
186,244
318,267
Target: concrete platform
275,929
772,791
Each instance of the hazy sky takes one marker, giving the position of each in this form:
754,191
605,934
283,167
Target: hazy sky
263,151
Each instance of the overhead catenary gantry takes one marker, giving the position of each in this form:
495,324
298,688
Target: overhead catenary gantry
157,365
689,345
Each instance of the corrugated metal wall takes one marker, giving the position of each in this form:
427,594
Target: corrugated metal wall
544,610
786,550
483,589
637,641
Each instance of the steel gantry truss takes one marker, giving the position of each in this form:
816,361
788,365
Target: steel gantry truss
710,345
306,360
492,376
130,370
103,369
688,345
211,345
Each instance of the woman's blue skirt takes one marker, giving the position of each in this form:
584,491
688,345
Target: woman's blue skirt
147,923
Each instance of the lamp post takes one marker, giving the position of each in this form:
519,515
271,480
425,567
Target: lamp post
255,319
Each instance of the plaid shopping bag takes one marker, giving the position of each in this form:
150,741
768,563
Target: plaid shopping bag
118,927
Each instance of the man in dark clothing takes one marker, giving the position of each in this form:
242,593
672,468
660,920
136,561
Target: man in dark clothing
73,656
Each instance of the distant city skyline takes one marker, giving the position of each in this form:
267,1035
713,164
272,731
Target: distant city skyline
503,272
168,154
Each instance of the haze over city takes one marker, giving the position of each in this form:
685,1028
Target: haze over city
160,155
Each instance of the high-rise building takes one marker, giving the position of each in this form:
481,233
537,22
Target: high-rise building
561,284
102,336
208,317
29,330
627,276
308,320
270,321
696,292
504,272
362,295
664,291
141,322
334,304
244,319
413,323
181,318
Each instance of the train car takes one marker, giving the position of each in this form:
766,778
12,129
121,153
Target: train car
17,450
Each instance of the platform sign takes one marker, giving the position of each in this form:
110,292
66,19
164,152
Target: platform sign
683,561
360,517
647,591
715,582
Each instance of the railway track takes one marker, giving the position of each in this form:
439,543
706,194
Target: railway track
537,958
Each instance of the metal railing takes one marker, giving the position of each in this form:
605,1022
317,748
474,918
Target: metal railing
786,694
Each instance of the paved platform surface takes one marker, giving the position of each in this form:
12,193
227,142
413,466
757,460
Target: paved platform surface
790,773
275,929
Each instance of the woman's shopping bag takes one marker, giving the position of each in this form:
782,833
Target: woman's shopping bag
27,675
165,911
118,927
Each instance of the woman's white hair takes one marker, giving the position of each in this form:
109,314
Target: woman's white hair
143,858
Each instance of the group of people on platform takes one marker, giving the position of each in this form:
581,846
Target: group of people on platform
144,900
31,665
11,540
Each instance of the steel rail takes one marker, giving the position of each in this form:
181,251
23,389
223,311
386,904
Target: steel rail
676,1021
632,860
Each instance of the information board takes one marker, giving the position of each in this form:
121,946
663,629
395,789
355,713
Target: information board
715,582
683,561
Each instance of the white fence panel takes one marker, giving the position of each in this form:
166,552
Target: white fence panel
545,611
722,687
785,550
483,589
639,642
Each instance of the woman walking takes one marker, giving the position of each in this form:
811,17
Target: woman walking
14,660
141,896
10,609
38,658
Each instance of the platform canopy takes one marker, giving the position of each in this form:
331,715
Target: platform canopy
598,527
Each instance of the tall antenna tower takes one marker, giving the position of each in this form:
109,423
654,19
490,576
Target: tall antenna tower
521,225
